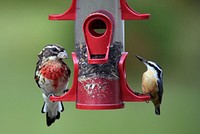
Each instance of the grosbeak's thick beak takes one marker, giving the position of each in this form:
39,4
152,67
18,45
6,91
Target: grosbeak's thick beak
63,55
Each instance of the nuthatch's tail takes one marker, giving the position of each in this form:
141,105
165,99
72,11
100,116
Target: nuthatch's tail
157,110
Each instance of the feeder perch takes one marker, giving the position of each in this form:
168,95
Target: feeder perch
99,80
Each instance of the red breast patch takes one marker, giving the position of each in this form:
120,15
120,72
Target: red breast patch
53,72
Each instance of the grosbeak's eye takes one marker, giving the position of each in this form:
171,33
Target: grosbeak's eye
55,50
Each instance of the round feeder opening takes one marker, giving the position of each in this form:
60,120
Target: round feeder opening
97,27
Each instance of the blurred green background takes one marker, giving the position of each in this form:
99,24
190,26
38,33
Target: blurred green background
171,38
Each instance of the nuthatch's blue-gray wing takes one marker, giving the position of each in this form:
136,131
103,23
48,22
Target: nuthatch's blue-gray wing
160,89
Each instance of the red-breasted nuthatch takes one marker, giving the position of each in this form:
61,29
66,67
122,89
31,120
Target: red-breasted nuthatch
152,82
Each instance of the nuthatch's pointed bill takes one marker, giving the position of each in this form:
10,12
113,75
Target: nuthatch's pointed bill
63,55
142,59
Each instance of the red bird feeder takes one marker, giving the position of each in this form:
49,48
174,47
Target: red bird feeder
99,59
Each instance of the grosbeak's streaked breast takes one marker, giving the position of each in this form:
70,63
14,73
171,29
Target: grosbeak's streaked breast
152,83
52,76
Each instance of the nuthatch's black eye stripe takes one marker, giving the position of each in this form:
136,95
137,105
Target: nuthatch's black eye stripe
157,68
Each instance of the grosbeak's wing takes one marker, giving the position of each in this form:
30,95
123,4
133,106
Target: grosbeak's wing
160,89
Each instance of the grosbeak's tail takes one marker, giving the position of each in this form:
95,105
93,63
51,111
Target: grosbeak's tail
52,112
51,120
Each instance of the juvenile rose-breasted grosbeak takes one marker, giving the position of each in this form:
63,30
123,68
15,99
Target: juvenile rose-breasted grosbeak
152,82
52,76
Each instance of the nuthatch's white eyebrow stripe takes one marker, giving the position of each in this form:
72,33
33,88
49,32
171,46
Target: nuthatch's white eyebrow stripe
156,67
154,64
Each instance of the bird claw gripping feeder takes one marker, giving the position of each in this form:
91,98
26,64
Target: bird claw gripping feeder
99,80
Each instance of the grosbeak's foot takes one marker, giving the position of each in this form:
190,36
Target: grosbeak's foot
65,91
49,96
